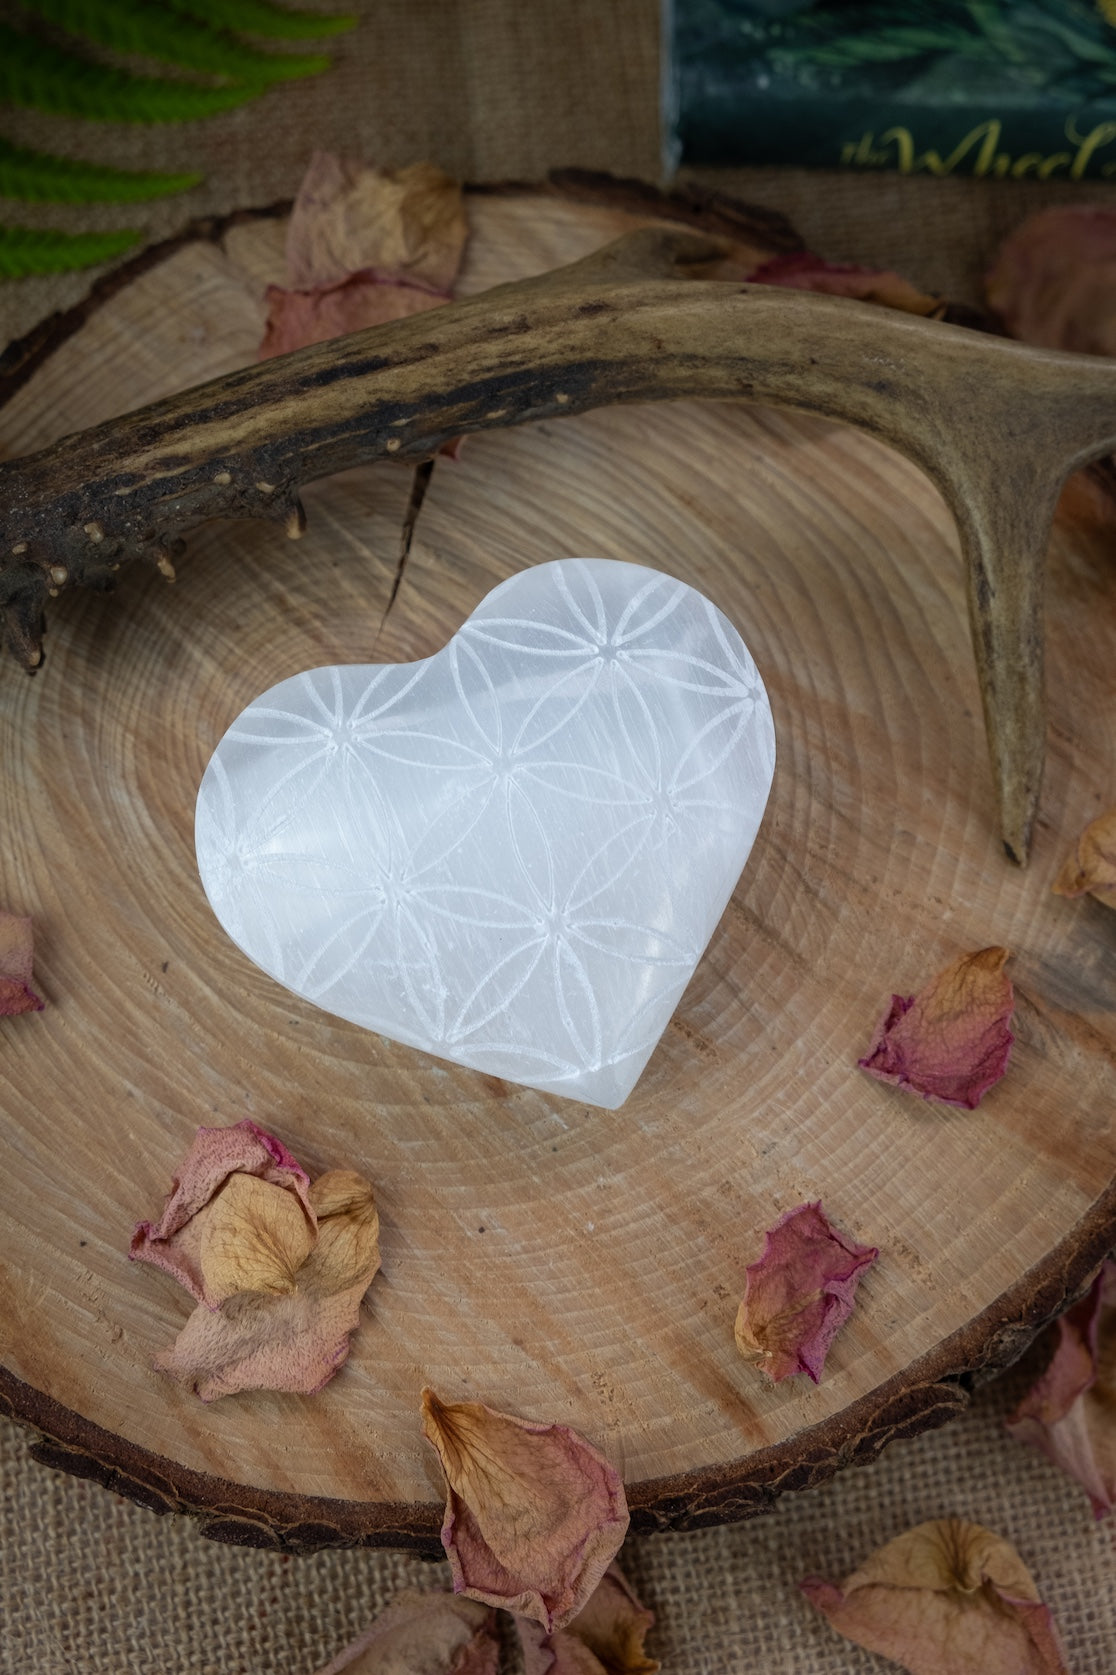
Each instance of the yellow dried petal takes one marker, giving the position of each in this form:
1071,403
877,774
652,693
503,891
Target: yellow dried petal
348,1249
1091,868
254,1237
341,1192
948,1555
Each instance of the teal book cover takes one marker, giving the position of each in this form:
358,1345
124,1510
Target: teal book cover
1018,89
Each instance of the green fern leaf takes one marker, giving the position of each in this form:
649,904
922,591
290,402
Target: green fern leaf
34,74
258,17
26,250
37,177
157,32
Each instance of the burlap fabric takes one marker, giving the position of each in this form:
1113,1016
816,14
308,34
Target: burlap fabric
90,1585
94,1586
505,90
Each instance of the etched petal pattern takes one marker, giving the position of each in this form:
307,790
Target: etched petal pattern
513,853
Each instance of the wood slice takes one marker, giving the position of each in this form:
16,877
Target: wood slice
558,1261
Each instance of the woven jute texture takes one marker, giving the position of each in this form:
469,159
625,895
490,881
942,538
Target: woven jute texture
940,233
488,89
91,1585
503,90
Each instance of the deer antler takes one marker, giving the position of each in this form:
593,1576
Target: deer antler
997,426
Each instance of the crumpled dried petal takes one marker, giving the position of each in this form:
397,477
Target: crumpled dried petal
534,1513
946,1598
16,956
298,318
297,1339
803,271
1091,869
424,1634
605,1638
253,1342
1053,282
799,1293
408,222
279,1266
348,1233
364,246
952,1040
254,1237
194,1238
1070,1413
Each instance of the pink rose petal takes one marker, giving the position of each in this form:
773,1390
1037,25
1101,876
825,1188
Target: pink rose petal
16,956
534,1513
257,1342
1053,282
803,271
799,1293
1068,1415
298,318
407,223
1091,868
951,1041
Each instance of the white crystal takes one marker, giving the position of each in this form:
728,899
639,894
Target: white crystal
513,853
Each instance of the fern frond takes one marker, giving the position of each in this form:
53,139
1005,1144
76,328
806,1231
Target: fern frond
38,177
35,74
258,17
26,250
156,31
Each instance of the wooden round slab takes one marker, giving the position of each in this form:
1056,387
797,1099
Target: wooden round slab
562,1262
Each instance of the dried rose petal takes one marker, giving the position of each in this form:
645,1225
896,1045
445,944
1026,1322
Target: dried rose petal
177,1240
409,223
16,954
348,1233
1069,1414
294,1340
803,271
951,1041
1091,869
298,318
605,1638
278,1265
946,1598
799,1293
254,1237
364,246
1053,282
424,1634
252,1342
534,1513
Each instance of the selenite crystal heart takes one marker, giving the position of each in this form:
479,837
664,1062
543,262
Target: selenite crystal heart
513,853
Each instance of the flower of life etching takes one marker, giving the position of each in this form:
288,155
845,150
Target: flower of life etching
512,854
